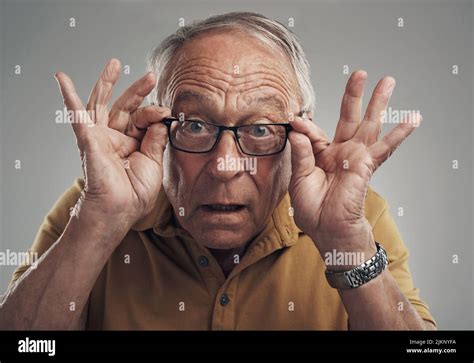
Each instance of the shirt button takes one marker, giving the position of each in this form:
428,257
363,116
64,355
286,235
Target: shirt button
203,261
224,299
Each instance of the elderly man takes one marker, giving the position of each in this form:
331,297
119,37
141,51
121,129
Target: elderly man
162,234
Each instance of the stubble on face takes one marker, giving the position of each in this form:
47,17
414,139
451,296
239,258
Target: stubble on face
204,84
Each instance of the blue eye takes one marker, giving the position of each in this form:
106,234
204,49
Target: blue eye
195,127
259,131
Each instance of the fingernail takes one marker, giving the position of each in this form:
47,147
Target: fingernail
389,88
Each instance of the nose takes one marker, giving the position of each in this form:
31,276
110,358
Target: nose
221,166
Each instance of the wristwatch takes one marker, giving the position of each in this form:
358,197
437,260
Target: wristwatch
361,274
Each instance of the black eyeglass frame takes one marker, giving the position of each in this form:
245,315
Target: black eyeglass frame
169,120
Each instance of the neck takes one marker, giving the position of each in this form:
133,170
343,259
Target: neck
226,258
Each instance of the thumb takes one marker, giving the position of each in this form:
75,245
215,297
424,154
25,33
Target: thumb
154,142
302,157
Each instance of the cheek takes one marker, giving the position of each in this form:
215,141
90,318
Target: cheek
180,172
273,175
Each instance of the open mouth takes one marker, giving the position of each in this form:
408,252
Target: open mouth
223,207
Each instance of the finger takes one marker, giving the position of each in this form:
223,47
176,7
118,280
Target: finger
154,142
317,137
81,120
129,101
102,91
123,145
382,149
351,106
302,157
143,118
369,129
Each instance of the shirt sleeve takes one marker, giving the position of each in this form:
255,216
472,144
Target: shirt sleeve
53,225
386,232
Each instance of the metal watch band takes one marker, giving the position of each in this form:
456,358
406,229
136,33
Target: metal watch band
361,274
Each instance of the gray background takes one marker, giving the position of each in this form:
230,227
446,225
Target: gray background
437,200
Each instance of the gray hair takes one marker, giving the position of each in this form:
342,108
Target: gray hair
269,32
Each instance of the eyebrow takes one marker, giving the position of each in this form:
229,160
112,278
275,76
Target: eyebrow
189,95
265,100
270,100
252,102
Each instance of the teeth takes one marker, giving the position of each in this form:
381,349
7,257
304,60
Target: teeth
220,207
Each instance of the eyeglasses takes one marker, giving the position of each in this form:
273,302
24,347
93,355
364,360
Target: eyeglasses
196,136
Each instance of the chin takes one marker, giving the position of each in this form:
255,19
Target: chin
222,239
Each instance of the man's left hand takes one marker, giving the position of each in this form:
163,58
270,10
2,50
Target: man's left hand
329,181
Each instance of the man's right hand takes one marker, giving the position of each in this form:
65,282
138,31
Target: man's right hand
121,149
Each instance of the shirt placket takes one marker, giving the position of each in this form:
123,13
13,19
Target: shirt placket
223,314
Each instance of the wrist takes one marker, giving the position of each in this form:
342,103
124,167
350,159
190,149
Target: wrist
96,207
360,274
344,251
339,260
97,229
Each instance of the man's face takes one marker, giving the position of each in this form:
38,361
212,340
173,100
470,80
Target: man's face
228,79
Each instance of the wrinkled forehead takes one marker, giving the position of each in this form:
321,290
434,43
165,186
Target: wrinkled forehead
231,48
229,60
